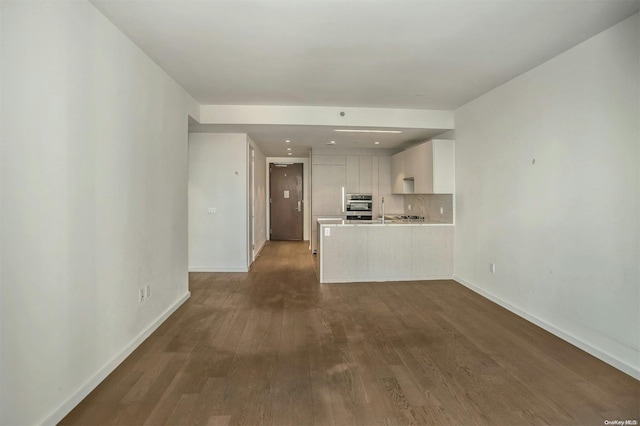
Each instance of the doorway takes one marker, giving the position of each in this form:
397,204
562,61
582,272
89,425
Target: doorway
286,209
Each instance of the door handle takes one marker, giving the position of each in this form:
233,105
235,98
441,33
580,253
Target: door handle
299,206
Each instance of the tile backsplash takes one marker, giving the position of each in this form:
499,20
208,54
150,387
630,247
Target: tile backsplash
428,205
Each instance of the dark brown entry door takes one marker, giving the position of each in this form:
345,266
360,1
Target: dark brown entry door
285,184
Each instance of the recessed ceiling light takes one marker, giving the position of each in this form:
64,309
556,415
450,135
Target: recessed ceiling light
288,153
288,149
331,143
367,131
377,143
420,94
287,141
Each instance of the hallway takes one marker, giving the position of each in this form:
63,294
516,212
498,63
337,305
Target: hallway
272,346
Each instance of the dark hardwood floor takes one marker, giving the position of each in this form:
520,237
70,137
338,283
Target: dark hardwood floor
274,347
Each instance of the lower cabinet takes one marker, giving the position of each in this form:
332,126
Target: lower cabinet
315,243
361,253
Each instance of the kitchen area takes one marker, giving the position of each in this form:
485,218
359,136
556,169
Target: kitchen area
383,216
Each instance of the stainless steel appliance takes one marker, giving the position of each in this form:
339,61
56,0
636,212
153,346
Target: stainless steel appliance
359,206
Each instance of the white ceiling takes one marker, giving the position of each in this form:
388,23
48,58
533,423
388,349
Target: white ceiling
431,54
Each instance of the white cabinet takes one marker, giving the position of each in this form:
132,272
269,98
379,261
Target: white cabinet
427,168
421,168
382,187
439,177
366,253
366,175
328,187
384,175
328,159
353,174
359,174
397,173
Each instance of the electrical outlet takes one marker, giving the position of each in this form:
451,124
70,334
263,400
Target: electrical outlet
409,207
141,295
212,210
492,268
147,291
441,210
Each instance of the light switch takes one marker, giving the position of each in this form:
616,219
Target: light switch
286,194
327,232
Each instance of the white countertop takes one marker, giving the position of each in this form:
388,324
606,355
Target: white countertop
378,222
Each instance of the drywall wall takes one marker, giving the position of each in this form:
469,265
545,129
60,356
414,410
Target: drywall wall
547,188
260,200
94,203
1,237
326,116
218,178
1,151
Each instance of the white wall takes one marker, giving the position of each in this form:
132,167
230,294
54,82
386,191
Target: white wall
218,178
563,232
325,116
94,203
1,174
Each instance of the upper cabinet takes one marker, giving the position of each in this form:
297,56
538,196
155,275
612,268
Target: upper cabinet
383,171
397,173
359,174
427,168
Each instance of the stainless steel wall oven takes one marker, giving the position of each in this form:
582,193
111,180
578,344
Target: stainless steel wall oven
359,206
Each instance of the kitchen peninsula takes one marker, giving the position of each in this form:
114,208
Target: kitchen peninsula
353,251
417,182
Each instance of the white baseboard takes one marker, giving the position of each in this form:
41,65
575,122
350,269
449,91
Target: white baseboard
387,280
102,374
216,269
585,346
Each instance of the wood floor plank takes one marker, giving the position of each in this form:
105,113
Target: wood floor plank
209,403
321,401
219,420
302,398
181,414
275,347
168,401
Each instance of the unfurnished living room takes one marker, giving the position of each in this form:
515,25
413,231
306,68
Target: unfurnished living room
322,212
